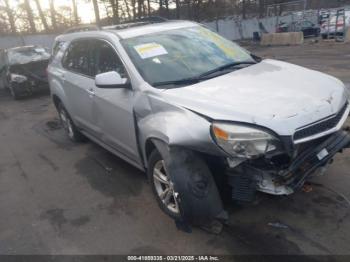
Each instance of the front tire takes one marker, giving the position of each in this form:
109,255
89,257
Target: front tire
162,186
72,131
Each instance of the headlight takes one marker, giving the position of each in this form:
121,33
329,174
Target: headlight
242,141
18,78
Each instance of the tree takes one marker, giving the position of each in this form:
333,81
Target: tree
53,15
139,8
97,12
244,6
177,9
10,16
149,8
126,3
30,16
42,16
75,12
115,9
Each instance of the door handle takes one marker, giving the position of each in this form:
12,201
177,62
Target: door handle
91,92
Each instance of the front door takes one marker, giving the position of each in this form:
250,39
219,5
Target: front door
114,106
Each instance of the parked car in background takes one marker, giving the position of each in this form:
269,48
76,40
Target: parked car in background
198,113
308,28
335,27
23,70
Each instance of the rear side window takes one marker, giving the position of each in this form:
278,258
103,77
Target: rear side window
78,59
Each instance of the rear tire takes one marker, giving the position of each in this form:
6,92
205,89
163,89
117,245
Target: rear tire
162,186
72,131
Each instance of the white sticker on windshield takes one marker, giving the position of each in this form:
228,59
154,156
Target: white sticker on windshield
150,50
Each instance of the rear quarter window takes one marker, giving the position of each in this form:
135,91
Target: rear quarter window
58,50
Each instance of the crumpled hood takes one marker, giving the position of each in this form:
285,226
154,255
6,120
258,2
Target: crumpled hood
274,94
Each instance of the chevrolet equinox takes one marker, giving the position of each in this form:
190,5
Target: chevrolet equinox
203,117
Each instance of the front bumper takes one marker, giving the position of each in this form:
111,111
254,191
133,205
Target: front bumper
247,178
29,87
312,159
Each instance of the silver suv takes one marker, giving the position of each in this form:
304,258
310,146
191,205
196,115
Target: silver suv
203,117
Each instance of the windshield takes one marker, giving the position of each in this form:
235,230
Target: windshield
27,55
182,54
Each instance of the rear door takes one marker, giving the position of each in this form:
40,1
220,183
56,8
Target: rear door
114,106
79,84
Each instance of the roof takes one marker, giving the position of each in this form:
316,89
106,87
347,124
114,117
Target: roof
129,32
153,28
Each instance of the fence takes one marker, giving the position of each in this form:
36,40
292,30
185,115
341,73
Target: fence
236,29
13,41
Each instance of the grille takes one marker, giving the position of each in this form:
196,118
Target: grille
321,126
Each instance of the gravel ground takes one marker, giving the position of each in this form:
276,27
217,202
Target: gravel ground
57,197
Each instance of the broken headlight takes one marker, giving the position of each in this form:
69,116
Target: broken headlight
18,78
243,141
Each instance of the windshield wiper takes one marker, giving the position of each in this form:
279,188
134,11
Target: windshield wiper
185,81
224,67
204,76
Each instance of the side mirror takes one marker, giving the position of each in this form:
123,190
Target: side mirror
111,80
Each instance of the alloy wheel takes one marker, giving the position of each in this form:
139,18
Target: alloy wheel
165,187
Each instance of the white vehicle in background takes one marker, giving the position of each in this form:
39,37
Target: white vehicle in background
335,27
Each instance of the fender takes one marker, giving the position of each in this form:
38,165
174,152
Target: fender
158,119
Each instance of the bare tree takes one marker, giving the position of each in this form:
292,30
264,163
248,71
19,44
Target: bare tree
42,15
167,7
75,12
139,8
244,9
148,7
30,16
177,9
115,9
161,7
11,18
97,11
126,3
53,15
133,5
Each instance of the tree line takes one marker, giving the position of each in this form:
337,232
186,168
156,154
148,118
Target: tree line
30,17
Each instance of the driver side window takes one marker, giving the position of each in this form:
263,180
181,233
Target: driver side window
107,59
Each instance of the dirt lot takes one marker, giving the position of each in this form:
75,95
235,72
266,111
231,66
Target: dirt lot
57,197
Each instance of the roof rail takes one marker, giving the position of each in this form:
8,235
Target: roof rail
82,28
137,22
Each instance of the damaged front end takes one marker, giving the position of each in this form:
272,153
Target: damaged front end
24,79
283,170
